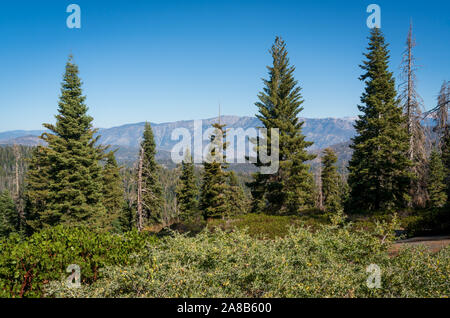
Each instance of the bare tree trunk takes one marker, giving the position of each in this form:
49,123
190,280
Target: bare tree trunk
409,98
412,107
319,188
20,211
139,191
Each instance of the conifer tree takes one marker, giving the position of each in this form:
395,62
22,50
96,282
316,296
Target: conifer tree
330,182
37,193
152,200
236,196
9,219
380,167
214,200
290,188
67,172
436,181
187,192
113,192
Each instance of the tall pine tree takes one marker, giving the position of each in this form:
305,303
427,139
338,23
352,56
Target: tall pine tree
152,200
214,200
67,172
380,167
187,192
290,188
330,182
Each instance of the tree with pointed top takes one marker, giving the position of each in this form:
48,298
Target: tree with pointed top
113,192
380,174
238,201
214,200
289,189
151,198
187,192
330,182
67,172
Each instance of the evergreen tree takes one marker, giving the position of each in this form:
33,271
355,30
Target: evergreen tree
290,188
379,169
37,194
330,182
436,179
9,219
67,172
236,196
214,200
113,192
152,200
187,192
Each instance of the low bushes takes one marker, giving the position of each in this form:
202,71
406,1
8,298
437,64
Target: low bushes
329,262
26,265
430,222
269,226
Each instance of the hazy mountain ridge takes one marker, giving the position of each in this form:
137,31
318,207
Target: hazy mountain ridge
324,132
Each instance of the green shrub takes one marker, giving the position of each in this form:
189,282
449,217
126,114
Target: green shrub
26,265
329,262
430,222
269,226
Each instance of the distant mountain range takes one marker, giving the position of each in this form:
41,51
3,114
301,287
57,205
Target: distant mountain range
324,132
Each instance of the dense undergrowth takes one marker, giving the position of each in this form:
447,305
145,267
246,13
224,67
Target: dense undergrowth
248,256
27,265
328,262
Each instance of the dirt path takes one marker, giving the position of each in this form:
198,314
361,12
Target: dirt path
434,243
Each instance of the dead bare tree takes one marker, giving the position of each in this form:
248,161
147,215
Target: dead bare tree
143,188
318,177
441,114
140,217
17,199
16,180
412,107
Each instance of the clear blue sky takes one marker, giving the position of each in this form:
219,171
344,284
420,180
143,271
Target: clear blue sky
173,60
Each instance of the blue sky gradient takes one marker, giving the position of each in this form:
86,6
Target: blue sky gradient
173,60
